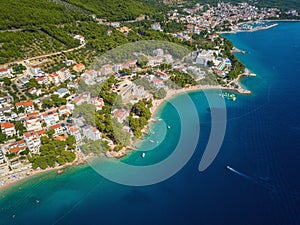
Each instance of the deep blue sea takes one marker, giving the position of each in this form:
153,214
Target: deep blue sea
262,143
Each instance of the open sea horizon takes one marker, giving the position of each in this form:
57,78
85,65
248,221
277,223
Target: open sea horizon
261,143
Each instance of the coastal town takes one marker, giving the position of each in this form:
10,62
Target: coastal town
52,120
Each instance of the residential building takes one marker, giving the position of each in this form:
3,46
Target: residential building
32,140
17,147
120,114
43,80
8,129
62,92
156,26
158,83
58,129
35,69
115,24
80,38
32,122
91,133
54,78
63,111
28,106
75,132
35,91
64,74
98,103
79,68
109,32
5,72
50,117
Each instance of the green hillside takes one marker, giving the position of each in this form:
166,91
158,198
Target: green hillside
24,13
115,9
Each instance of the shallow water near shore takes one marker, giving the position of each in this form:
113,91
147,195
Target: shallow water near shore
261,143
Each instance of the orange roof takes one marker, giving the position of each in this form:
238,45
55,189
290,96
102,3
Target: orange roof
33,114
41,132
119,113
61,138
17,149
55,126
24,104
79,66
73,129
62,107
3,69
155,80
53,75
21,142
29,134
7,125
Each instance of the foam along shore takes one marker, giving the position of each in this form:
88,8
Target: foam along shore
13,178
251,30
235,82
234,85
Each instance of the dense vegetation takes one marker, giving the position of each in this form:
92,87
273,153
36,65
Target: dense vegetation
30,13
139,116
52,152
115,10
182,79
24,44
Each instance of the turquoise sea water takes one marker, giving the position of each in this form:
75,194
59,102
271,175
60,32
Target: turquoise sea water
261,143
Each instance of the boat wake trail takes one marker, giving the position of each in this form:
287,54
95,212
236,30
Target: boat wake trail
274,189
241,174
254,180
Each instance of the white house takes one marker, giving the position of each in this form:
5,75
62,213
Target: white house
28,106
4,72
120,114
50,117
80,38
32,140
156,26
8,128
62,92
54,78
58,129
75,132
91,133
35,69
63,74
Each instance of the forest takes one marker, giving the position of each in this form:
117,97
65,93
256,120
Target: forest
34,13
114,10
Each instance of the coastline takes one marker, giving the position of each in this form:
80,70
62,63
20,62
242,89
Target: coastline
173,93
82,159
251,30
12,179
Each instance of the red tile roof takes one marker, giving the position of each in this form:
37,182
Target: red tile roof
17,149
55,126
24,104
3,69
61,138
7,125
41,132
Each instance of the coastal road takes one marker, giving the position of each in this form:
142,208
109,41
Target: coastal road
46,55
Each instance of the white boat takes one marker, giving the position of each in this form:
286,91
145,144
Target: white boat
143,155
168,127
